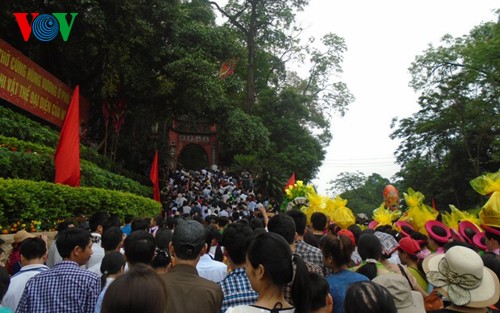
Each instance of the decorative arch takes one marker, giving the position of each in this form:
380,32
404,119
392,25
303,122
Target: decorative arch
184,133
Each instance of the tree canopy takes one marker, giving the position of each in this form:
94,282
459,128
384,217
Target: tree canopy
455,135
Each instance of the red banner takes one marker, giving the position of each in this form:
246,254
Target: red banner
30,87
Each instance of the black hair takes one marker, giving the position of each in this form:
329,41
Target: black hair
113,221
283,225
128,218
256,223
369,247
33,248
235,239
139,247
223,221
97,219
369,297
300,220
62,226
159,221
111,238
491,235
162,257
141,289
340,249
319,220
71,238
319,291
355,230
139,224
112,263
272,252
4,282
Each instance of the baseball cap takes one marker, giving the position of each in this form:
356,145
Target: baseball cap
409,245
349,234
188,238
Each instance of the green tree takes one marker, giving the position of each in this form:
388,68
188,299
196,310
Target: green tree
454,137
363,193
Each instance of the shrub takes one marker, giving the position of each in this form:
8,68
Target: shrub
21,127
26,200
19,159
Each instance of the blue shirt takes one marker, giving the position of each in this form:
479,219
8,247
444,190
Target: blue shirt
64,288
339,283
237,289
127,229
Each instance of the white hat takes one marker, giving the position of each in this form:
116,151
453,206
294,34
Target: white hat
461,276
406,300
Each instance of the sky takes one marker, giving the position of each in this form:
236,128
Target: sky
383,37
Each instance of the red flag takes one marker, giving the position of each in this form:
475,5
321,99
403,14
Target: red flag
434,204
291,181
67,156
153,175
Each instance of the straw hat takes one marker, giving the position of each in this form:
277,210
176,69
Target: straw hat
21,235
460,275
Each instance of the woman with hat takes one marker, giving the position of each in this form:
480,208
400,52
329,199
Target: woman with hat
439,235
461,277
13,264
408,251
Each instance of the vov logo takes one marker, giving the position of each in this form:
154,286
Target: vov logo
45,26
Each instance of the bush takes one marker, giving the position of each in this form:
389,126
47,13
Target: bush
18,126
19,159
26,200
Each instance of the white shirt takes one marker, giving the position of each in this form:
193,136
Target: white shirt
96,268
54,257
98,252
210,269
18,282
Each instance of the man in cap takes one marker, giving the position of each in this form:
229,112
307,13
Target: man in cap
186,290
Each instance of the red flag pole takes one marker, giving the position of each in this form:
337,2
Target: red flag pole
67,156
153,176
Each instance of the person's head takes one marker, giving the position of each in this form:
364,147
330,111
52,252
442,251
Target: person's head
283,225
336,251
270,263
439,234
492,238
113,263
355,230
321,299
33,249
300,220
370,251
128,219
112,239
140,224
4,282
75,244
141,289
462,271
235,239
112,221
139,248
319,221
62,226
157,221
492,261
97,222
188,241
408,250
368,297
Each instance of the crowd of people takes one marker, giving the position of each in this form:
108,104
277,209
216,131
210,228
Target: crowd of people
252,258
